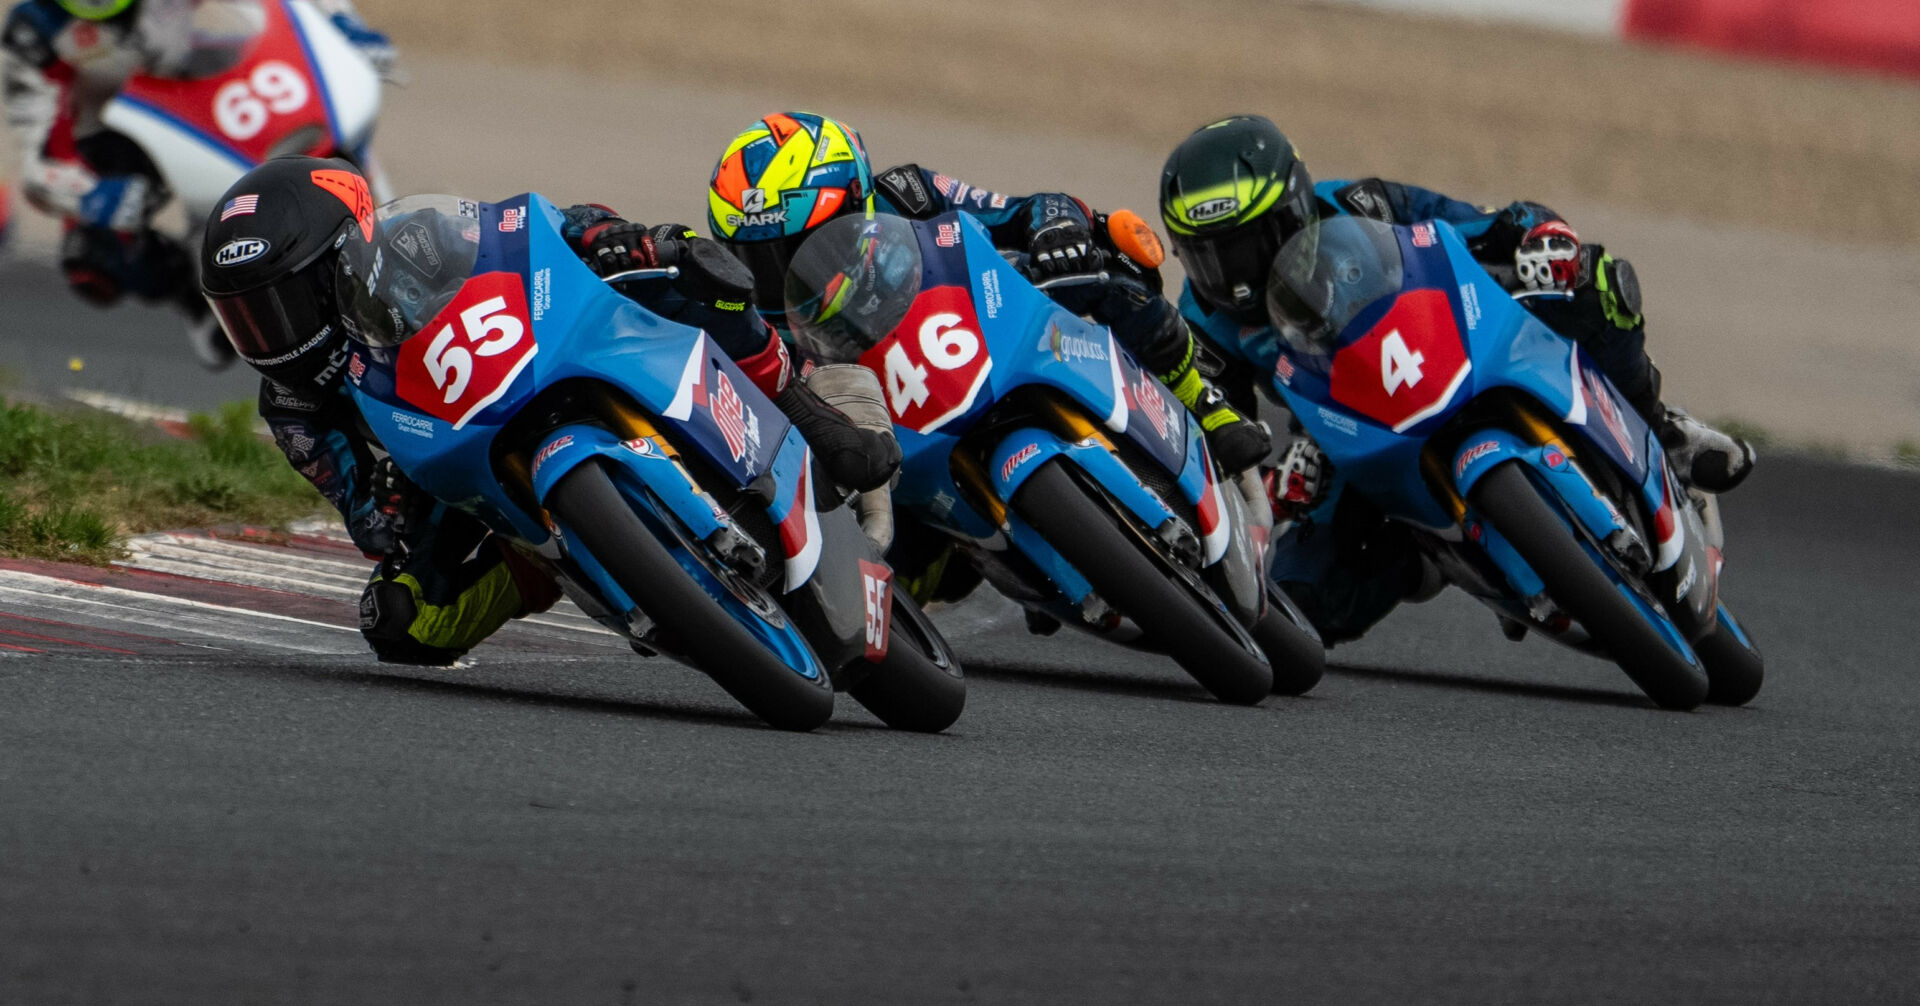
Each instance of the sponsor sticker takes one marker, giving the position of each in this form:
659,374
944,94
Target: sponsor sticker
549,451
1067,348
415,425
240,252
1470,304
1019,458
990,293
947,236
1283,369
1339,423
513,220
1424,235
1472,454
542,293
730,414
1212,209
356,368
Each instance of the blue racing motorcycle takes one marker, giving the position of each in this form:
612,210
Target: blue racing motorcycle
1531,482
1066,473
676,504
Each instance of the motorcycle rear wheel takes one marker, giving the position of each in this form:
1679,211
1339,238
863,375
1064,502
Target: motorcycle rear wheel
1515,507
601,519
1115,562
1298,657
917,685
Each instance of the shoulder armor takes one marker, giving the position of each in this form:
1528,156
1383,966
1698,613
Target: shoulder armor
906,188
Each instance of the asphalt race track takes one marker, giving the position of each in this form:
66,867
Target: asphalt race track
1448,817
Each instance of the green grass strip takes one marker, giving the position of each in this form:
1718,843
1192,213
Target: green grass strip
75,483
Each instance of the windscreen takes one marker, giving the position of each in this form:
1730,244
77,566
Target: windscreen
851,283
422,253
1327,274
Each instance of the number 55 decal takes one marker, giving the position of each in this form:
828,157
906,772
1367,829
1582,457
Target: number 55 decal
470,354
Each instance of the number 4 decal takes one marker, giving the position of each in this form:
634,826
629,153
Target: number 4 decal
1399,366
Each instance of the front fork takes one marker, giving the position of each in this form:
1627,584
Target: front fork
1668,548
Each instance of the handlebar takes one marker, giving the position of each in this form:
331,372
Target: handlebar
669,272
1534,294
1087,279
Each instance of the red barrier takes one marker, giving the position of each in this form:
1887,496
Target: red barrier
1881,35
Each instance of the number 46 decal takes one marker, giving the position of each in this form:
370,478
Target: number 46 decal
934,368
470,354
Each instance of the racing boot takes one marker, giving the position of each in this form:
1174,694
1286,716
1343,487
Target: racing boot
1237,443
1703,456
1163,342
856,458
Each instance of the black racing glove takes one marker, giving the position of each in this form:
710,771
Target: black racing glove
709,273
1064,247
388,503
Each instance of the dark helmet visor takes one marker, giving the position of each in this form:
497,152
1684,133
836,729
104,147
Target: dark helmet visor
1228,269
275,325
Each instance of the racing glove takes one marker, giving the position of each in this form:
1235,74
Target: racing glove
1548,257
379,522
1300,483
1063,247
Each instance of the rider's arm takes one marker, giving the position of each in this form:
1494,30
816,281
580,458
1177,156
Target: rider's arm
319,435
39,93
912,191
1400,203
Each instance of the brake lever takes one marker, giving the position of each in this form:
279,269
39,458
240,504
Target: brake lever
1084,279
632,275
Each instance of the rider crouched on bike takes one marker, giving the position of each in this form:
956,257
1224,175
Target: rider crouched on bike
287,277
64,60
1235,190
792,172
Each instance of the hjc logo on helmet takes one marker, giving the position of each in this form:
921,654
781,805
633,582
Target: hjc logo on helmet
240,252
1213,209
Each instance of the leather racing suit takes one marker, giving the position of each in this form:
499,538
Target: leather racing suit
444,581
1344,563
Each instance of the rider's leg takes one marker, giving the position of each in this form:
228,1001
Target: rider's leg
1605,318
1163,342
455,585
1347,566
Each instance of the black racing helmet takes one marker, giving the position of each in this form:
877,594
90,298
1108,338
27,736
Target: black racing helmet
1231,194
267,265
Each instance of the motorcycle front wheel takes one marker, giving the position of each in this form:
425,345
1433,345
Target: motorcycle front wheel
917,685
601,520
1576,581
1116,563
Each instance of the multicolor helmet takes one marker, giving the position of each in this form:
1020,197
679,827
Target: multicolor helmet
788,174
1230,195
95,10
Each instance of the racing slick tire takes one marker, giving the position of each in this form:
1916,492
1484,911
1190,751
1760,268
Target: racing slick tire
1511,503
602,520
1735,670
1115,562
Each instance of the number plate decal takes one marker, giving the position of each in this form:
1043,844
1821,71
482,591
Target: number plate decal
1408,368
876,580
934,365
470,354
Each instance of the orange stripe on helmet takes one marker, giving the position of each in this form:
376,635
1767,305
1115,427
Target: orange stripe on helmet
352,190
730,178
826,205
782,126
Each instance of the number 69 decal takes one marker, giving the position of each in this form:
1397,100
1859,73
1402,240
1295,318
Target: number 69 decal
244,107
470,354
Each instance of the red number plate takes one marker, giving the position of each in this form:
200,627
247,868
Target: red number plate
934,365
469,355
1408,367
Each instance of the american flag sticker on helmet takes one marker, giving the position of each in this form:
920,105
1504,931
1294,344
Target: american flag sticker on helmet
241,206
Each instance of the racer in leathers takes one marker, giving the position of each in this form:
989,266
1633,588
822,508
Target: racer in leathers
307,272
791,172
64,60
1235,190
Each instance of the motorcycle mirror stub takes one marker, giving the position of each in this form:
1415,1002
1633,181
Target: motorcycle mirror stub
1135,239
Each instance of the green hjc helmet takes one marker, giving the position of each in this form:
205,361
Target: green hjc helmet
1230,195
95,10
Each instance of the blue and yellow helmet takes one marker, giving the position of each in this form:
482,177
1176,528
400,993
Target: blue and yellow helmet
776,182
95,10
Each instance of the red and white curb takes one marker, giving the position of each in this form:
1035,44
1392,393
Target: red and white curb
249,592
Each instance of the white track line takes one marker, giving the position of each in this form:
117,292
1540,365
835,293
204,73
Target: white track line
179,614
275,568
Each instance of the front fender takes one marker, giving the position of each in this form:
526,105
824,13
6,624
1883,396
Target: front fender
1480,453
569,447
1022,453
